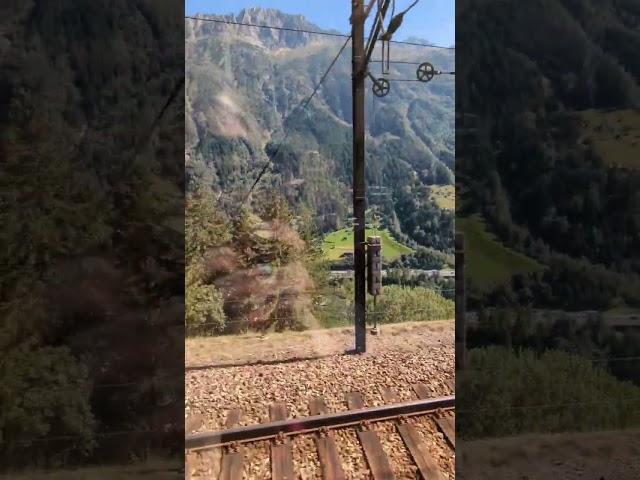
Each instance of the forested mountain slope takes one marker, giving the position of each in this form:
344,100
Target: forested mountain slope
242,84
538,176
92,209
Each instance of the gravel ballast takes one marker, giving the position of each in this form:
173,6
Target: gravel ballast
398,359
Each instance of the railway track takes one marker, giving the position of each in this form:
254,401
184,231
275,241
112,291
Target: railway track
226,449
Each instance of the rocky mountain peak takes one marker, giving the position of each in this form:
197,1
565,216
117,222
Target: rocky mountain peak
268,38
274,17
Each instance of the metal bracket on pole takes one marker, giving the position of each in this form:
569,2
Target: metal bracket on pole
369,8
461,321
375,80
375,31
381,86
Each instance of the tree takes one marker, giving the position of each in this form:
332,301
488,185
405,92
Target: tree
44,392
51,209
205,229
204,310
309,234
205,226
272,205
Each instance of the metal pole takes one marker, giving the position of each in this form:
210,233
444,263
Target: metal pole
358,75
461,321
375,316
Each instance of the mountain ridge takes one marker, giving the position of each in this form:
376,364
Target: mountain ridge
243,84
271,38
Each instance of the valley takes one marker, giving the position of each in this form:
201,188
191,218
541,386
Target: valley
243,88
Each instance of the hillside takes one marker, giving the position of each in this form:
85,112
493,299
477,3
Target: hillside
92,239
243,83
553,137
489,262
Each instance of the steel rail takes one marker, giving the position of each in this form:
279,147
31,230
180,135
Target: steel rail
297,426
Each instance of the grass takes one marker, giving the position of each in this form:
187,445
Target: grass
341,241
444,196
623,310
489,263
579,452
615,135
153,469
253,346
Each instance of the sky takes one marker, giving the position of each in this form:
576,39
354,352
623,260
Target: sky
431,20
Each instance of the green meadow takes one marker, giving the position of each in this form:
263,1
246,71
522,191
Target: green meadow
444,196
615,135
488,262
341,241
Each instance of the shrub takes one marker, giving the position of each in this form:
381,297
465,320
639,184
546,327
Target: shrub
401,304
45,392
204,313
205,226
504,393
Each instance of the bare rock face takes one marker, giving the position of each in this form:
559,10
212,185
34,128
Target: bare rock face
276,38
264,37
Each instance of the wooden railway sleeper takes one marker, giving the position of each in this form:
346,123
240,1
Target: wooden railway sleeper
324,432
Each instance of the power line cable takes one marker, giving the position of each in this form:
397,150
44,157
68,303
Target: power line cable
402,62
99,435
286,29
287,296
410,6
312,32
302,107
424,45
406,79
346,314
594,403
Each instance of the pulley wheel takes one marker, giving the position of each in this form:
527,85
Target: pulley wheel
381,88
425,72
